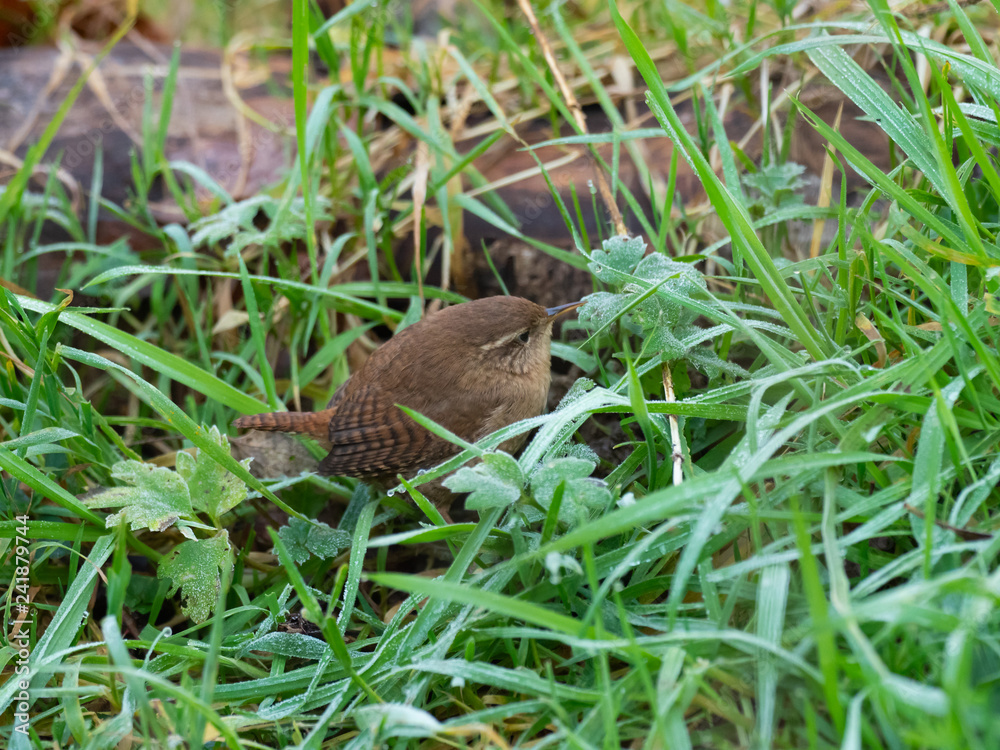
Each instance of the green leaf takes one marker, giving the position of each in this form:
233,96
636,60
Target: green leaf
197,567
620,255
212,488
156,498
777,184
581,494
305,538
495,483
657,306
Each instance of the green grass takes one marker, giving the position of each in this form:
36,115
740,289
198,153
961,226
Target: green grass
826,572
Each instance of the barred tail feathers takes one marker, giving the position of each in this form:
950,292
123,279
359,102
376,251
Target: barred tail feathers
314,424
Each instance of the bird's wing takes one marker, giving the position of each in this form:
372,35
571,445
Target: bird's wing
373,438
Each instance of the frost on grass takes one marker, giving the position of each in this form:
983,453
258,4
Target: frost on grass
386,720
496,482
305,538
297,645
197,567
576,391
156,498
650,301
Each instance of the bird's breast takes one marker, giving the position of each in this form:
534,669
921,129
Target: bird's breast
521,398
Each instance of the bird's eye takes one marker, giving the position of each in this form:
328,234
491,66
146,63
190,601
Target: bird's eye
524,336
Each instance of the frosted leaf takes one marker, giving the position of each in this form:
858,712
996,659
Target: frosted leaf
656,266
197,568
679,281
305,538
682,278
619,256
579,451
708,362
155,498
228,220
581,494
212,488
496,482
236,223
674,281
603,308
661,340
774,186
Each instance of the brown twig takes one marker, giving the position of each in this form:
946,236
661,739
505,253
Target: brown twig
967,534
574,107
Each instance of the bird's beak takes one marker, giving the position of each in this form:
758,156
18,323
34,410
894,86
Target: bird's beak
555,312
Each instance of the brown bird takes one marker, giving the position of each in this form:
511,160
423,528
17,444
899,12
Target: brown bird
472,368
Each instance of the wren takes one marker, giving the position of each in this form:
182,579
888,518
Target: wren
472,368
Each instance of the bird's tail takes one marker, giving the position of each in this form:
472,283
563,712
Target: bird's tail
315,424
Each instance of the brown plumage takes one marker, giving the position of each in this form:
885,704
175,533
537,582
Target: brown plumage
472,368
